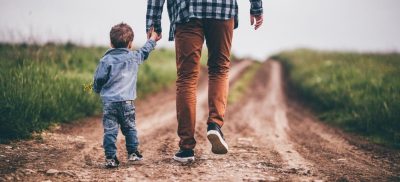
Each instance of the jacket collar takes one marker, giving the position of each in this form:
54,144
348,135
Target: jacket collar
116,51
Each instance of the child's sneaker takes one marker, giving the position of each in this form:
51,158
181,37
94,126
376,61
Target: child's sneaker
111,162
134,156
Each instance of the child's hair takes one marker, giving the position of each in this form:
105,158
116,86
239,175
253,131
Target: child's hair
121,35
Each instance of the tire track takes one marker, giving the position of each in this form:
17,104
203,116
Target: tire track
275,102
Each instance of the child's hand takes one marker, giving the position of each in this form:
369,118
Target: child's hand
153,35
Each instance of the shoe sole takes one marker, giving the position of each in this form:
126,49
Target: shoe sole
184,159
135,160
218,145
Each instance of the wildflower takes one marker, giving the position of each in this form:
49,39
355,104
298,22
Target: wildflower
88,87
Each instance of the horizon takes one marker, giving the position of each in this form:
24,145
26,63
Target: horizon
351,26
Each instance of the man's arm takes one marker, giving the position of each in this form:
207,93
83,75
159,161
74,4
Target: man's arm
153,16
256,13
101,77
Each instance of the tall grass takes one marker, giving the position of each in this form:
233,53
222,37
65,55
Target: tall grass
41,85
359,92
158,72
35,96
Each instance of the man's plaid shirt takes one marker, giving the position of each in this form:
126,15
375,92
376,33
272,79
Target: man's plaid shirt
180,11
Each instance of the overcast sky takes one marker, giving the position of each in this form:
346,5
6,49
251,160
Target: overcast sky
360,25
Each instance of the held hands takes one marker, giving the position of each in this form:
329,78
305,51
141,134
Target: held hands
151,34
258,21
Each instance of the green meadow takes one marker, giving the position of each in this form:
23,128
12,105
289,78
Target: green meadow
43,85
354,91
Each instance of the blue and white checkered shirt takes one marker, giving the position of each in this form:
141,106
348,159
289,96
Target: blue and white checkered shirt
180,11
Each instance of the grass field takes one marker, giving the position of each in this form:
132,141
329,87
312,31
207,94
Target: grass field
42,85
239,88
358,92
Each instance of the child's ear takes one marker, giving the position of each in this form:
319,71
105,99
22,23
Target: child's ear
130,45
111,45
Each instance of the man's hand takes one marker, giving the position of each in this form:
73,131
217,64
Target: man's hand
258,21
153,35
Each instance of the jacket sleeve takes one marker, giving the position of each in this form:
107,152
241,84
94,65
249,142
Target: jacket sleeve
256,7
145,50
153,15
101,77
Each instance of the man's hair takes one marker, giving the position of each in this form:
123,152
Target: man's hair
120,35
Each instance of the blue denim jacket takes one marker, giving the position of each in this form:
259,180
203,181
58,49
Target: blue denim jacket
116,75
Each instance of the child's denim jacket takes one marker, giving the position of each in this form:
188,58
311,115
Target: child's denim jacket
116,75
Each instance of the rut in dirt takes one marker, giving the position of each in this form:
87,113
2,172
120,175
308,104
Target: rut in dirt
306,148
270,137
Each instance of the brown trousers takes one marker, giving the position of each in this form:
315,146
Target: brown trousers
189,39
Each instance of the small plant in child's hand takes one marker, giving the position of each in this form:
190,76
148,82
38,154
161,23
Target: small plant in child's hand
88,87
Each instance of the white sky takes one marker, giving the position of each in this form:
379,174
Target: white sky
357,25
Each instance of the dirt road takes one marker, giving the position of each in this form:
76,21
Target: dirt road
271,138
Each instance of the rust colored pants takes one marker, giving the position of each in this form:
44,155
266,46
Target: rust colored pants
189,39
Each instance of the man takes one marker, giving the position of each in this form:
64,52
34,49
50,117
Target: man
192,22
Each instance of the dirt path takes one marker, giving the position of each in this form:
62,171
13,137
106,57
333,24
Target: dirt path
270,139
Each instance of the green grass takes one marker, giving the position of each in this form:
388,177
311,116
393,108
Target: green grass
243,83
358,92
158,72
42,85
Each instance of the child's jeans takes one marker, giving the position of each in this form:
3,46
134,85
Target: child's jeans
119,114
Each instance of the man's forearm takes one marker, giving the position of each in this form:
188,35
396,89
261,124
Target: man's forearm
153,15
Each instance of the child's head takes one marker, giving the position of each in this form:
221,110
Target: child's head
121,36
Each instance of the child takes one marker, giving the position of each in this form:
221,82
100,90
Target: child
115,81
